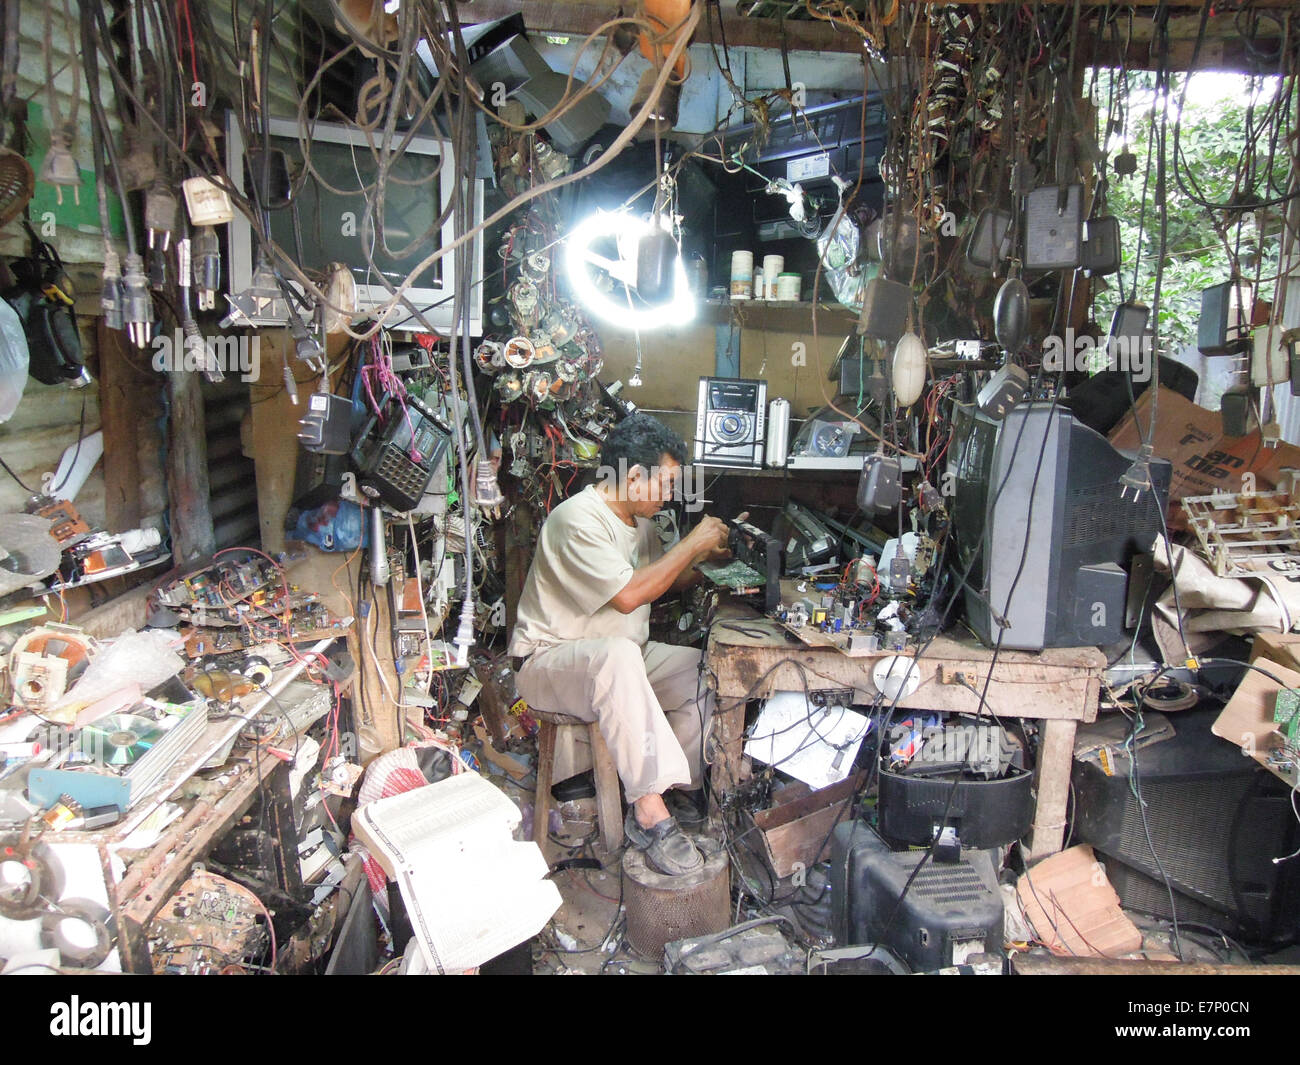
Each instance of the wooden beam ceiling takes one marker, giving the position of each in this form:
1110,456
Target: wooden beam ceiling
1223,49
578,17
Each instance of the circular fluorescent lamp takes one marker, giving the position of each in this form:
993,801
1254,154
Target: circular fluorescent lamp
627,229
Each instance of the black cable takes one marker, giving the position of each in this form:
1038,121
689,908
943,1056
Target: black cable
1135,781
16,478
81,435
1195,197
90,57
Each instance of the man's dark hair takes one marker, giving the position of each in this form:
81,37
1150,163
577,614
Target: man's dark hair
640,440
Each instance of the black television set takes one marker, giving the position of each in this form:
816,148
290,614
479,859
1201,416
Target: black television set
1210,824
1045,529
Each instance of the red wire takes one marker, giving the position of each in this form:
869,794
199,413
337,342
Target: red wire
189,30
550,482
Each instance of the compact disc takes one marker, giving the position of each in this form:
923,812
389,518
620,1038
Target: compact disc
120,739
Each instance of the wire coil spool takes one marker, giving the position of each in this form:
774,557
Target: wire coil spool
661,909
71,928
29,874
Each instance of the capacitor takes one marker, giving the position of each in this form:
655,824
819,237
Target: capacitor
778,432
907,374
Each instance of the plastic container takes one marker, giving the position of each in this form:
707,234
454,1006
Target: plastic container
742,275
773,265
789,287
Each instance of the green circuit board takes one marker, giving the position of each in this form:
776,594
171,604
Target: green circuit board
737,576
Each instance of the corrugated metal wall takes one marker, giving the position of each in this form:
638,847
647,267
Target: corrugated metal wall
47,420
232,481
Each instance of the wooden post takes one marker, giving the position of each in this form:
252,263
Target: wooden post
187,469
1055,760
119,384
275,443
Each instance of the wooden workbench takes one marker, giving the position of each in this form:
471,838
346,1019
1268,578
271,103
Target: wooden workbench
1059,687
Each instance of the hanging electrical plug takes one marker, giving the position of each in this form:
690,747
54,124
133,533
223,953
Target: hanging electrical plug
635,380
290,384
137,306
110,299
260,305
305,345
488,496
464,638
60,167
204,355
207,267
197,351
159,216
1138,476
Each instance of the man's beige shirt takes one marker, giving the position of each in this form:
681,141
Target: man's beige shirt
585,556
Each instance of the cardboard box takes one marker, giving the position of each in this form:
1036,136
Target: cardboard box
1280,647
796,834
1205,461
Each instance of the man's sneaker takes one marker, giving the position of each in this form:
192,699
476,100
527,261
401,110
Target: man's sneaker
689,807
667,848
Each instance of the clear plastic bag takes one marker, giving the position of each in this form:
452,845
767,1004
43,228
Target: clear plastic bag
13,360
837,247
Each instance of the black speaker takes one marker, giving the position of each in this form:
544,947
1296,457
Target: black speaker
1216,819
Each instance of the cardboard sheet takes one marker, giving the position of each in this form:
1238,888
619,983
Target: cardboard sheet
1204,460
1247,719
1072,907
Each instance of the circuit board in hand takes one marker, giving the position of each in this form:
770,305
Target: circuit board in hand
737,576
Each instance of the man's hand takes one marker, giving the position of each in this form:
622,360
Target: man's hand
708,540
672,571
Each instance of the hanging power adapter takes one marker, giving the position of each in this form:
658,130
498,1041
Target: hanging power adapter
990,241
1003,391
1224,325
1101,246
885,308
878,485
1128,327
326,428
1235,410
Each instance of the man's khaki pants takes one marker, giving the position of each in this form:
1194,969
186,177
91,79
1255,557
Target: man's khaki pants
650,702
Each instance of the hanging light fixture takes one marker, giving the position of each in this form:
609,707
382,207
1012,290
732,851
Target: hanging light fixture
640,247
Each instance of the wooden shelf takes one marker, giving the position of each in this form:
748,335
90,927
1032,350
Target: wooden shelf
790,475
781,305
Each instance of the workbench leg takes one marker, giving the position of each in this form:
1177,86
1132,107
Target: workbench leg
729,741
1055,760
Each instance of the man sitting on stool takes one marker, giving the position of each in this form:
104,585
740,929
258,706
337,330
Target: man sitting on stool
584,626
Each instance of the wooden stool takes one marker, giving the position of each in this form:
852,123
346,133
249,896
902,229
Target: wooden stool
609,806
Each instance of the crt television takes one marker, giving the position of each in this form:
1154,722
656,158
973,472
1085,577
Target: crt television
328,220
1041,521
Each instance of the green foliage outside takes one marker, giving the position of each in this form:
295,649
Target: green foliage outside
1219,155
